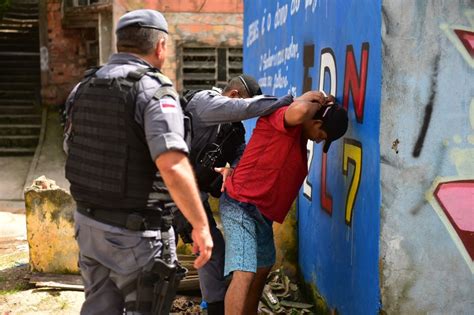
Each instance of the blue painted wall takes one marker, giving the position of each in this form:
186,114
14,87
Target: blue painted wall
294,45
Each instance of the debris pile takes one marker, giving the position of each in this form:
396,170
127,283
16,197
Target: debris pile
186,305
281,296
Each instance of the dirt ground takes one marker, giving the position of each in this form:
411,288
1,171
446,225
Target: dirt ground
18,296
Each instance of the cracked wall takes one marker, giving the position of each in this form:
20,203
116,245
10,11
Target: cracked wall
427,157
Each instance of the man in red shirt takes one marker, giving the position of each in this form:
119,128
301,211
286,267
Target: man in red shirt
263,187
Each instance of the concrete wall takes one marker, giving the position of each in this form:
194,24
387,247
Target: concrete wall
427,153
293,46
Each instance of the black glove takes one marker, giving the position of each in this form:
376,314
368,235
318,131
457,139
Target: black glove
182,226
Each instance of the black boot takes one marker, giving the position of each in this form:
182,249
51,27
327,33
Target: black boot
215,308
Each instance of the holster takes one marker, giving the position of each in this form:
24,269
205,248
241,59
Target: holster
157,285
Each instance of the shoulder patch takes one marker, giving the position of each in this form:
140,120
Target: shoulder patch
168,105
166,91
164,80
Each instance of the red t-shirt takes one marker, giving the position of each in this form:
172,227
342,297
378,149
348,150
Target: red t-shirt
272,168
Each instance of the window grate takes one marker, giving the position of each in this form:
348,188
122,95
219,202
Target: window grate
79,3
205,67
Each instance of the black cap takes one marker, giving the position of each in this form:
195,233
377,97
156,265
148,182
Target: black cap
144,18
335,123
251,85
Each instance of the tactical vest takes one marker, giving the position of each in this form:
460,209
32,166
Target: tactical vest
109,163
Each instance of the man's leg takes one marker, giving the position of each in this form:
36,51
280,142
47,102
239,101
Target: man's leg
211,275
236,297
240,253
102,295
110,262
256,290
265,259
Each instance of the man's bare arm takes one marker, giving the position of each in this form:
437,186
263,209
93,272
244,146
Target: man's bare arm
177,174
304,107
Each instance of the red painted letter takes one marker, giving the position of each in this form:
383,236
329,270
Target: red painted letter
354,82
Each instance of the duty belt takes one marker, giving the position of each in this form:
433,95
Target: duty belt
138,220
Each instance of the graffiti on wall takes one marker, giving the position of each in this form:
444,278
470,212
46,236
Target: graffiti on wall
452,200
294,46
453,197
354,89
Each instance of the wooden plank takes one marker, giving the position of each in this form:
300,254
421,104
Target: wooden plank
56,285
74,282
68,279
57,281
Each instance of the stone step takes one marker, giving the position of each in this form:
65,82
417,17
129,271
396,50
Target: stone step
20,77
18,46
15,102
17,109
10,73
7,94
20,129
16,119
24,2
7,20
15,58
4,151
18,32
25,36
19,62
13,45
21,15
28,86
15,27
21,141
27,8
30,44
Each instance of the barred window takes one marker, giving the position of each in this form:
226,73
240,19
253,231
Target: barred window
79,3
205,67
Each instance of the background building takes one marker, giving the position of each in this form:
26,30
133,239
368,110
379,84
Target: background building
205,47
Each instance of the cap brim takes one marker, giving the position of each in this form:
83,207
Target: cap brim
326,146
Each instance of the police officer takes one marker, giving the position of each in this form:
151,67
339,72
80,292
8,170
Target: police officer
218,139
126,158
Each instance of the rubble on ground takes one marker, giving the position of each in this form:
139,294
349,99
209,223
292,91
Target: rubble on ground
281,296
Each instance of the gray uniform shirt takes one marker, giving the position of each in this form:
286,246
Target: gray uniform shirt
162,122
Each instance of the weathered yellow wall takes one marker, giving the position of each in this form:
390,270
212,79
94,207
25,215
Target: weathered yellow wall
50,230
286,243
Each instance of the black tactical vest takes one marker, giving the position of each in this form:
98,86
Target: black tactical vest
109,163
217,153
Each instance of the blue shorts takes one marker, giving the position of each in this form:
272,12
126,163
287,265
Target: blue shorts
248,236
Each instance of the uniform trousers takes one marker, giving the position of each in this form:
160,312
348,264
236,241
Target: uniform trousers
110,258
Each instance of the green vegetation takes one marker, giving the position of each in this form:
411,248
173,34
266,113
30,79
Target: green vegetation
22,286
4,5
